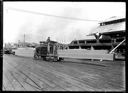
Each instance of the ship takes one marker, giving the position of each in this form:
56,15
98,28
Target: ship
108,42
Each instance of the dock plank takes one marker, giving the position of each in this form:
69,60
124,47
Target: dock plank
57,78
27,86
21,80
48,77
42,80
35,78
38,75
14,82
7,84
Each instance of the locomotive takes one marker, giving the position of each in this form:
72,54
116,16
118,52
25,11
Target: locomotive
47,51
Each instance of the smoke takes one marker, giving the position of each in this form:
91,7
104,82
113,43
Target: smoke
38,28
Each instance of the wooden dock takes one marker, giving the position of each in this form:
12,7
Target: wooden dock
26,74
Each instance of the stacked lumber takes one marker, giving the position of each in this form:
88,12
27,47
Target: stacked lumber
85,54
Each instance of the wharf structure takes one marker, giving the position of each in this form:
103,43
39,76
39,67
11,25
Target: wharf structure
109,38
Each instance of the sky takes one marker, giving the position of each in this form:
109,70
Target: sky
38,27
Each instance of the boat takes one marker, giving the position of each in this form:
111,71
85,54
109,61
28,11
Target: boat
108,44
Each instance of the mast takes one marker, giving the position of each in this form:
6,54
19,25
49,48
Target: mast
24,40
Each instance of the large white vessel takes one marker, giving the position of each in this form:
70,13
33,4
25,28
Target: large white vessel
109,42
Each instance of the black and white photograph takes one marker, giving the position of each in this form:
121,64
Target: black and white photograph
64,46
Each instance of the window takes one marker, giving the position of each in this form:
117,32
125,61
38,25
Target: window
82,42
75,42
91,41
73,47
104,41
102,47
86,47
112,22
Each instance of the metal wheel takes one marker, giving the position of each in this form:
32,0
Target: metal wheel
55,59
36,56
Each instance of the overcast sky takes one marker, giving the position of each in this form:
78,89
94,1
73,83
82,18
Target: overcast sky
38,27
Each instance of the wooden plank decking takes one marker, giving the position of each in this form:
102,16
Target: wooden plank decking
26,74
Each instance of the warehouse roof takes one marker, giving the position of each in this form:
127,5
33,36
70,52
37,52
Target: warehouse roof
113,18
109,28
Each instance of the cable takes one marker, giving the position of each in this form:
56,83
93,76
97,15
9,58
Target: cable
21,10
